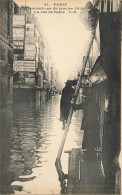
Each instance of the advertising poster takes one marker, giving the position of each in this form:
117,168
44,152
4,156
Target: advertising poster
18,20
29,52
18,33
60,97
28,66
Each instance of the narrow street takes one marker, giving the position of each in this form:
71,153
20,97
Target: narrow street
54,55
31,150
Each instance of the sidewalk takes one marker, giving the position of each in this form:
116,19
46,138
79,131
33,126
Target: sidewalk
84,173
83,170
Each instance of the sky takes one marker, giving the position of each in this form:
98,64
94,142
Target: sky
66,35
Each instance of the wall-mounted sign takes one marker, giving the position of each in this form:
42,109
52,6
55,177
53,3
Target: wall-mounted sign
30,40
29,33
29,30
29,55
18,44
28,66
29,26
29,52
18,33
30,48
18,20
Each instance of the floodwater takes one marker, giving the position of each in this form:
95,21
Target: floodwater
31,137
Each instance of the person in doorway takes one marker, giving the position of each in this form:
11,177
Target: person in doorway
90,121
65,103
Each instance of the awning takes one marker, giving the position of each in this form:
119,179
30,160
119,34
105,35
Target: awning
97,74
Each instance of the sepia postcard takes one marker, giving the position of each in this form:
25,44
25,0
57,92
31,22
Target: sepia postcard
60,97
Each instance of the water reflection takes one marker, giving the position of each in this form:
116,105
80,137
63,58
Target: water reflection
30,144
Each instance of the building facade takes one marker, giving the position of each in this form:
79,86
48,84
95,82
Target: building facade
6,54
6,85
105,81
25,48
32,60
28,53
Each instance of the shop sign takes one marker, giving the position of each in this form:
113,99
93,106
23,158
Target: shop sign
29,52
28,66
30,40
29,55
30,48
29,26
18,34
29,30
18,20
18,44
29,33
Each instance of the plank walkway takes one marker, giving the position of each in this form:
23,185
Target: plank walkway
84,173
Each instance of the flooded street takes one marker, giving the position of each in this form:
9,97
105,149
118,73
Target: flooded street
54,54
34,138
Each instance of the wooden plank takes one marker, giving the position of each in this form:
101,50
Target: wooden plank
84,173
91,179
73,171
118,182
